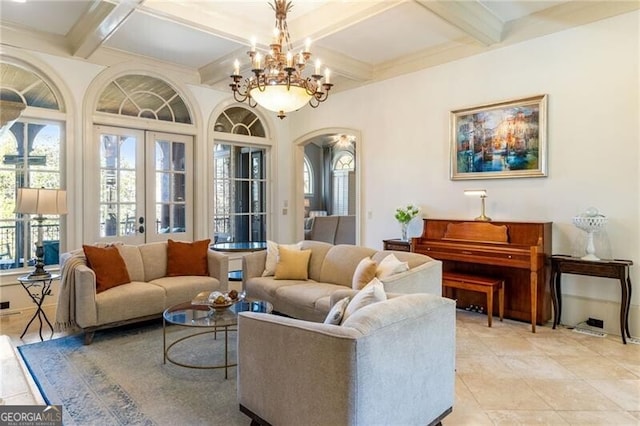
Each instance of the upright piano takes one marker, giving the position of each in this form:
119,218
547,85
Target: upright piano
518,252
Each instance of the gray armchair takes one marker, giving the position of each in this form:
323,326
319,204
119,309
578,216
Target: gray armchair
391,362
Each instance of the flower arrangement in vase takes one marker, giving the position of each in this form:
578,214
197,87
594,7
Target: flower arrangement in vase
404,215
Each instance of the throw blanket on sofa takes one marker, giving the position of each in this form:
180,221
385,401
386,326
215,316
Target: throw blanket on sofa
66,311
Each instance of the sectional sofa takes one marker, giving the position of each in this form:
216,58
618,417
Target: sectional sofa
330,271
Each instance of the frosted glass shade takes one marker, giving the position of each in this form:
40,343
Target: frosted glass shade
279,98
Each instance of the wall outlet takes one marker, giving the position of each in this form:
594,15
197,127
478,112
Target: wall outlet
4,305
594,322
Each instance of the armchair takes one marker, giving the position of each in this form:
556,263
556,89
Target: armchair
391,362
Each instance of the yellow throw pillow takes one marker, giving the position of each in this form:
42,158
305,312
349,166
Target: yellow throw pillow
364,273
272,256
292,264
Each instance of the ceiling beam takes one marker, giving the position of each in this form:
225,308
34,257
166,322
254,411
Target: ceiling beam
469,16
97,25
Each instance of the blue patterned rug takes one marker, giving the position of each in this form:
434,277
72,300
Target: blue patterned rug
120,379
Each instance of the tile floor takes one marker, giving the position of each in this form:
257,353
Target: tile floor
505,374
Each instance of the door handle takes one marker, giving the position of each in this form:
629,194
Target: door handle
141,229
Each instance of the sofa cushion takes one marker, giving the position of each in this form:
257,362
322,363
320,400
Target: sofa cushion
337,312
185,258
272,256
265,288
185,288
341,262
390,265
292,264
154,258
371,293
302,299
364,273
319,250
142,299
108,265
133,259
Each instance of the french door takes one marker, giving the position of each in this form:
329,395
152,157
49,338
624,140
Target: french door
142,186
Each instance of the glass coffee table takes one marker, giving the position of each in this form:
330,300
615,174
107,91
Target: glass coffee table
205,319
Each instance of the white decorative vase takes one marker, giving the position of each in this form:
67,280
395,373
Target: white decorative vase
403,229
591,225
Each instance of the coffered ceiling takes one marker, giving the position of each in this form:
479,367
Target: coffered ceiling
360,40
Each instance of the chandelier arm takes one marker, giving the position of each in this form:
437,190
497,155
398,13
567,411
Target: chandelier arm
280,72
239,97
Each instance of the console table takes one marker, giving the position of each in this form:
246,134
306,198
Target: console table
616,269
396,244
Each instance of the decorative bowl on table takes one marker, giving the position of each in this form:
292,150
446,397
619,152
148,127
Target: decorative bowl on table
221,301
217,300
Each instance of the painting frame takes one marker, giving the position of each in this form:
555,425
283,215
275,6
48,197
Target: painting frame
506,139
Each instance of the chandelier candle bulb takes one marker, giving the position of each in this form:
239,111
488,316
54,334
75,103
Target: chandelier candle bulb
318,63
253,44
257,61
327,76
307,45
236,67
289,60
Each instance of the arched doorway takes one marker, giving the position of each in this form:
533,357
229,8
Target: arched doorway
331,185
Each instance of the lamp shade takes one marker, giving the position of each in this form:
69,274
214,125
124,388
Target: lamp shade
41,201
475,192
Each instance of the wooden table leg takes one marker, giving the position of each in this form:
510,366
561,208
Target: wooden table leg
534,300
489,305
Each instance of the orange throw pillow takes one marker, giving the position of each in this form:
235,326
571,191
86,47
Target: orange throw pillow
108,265
187,258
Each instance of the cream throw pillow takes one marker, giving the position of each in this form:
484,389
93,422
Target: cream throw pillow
364,273
272,256
390,265
371,293
337,312
292,264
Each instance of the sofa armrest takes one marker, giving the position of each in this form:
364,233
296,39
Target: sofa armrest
253,264
425,278
219,268
86,314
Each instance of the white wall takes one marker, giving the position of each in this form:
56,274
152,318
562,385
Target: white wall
591,77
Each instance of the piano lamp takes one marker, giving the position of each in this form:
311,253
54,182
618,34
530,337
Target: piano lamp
482,193
40,201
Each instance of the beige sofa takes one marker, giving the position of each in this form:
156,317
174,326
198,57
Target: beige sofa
148,294
331,270
389,363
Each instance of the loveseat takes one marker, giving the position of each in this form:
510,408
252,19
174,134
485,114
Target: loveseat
331,269
148,294
390,363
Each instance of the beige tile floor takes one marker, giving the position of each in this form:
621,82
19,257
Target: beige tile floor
506,375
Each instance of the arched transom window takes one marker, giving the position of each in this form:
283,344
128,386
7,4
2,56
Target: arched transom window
144,96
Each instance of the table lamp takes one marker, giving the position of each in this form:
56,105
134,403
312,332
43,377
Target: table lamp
40,201
482,193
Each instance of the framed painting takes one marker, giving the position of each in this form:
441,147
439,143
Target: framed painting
502,140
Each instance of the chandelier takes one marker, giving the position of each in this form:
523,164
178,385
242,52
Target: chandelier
277,83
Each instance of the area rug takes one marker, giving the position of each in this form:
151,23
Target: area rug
120,379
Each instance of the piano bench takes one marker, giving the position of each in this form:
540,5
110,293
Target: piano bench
480,284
